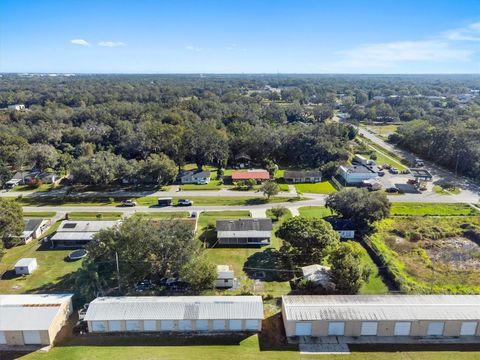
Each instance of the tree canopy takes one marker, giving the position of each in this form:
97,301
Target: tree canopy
11,223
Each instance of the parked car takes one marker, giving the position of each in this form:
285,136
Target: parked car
128,203
83,311
194,214
144,285
419,163
393,170
392,189
185,202
381,173
412,181
386,166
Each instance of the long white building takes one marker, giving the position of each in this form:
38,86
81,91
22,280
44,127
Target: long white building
175,314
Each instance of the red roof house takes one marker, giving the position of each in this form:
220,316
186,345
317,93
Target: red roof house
259,175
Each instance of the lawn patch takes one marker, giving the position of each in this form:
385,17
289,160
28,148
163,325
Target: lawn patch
39,214
432,209
95,215
324,187
315,211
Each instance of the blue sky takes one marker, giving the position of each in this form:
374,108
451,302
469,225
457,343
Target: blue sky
240,36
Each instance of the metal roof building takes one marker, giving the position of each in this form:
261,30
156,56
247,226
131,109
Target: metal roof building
182,313
32,319
244,231
78,233
382,315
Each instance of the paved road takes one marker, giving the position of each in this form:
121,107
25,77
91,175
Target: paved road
470,190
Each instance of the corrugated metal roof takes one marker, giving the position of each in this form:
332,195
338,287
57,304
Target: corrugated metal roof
175,308
244,234
386,307
85,226
30,312
298,174
24,262
244,225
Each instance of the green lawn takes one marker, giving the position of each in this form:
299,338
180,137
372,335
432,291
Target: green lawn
324,187
431,209
446,191
51,267
314,211
382,130
41,188
95,215
250,348
384,156
214,185
39,214
283,187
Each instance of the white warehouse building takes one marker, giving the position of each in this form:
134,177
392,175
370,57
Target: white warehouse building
175,314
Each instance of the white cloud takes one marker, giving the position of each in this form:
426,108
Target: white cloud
111,43
449,46
192,48
80,42
387,54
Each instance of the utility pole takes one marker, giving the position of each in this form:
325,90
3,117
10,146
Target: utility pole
118,271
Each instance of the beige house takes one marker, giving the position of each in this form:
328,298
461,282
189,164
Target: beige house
207,314
377,317
32,320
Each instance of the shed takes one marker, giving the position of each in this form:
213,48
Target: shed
225,276
379,317
25,266
211,314
33,319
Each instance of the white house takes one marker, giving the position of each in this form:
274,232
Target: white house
33,229
195,177
74,234
345,228
208,314
25,266
225,277
16,107
33,319
303,176
355,174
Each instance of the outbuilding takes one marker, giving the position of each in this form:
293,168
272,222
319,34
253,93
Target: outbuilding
25,266
377,318
184,314
355,174
225,277
32,320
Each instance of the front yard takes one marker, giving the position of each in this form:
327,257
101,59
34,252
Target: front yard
324,187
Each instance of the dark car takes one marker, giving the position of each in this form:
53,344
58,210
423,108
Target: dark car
144,285
128,203
185,202
381,173
392,189
393,170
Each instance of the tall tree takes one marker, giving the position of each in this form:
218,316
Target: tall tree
11,223
305,240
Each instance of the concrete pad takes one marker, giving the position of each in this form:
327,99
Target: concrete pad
324,349
258,213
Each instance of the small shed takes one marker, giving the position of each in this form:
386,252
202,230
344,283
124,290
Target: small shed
25,266
224,276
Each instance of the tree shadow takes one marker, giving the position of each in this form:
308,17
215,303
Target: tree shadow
272,337
266,265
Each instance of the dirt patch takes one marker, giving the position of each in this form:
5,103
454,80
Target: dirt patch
457,252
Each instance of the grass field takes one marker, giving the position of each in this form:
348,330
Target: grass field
446,191
214,185
95,215
314,211
383,131
324,187
431,209
431,254
163,215
39,214
384,156
41,188
249,348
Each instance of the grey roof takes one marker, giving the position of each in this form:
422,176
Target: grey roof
85,225
197,175
244,225
30,312
175,308
25,262
302,174
32,224
382,307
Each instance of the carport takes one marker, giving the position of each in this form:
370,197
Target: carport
421,174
